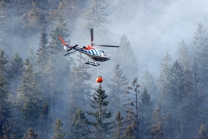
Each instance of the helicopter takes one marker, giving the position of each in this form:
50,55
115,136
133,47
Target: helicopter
98,55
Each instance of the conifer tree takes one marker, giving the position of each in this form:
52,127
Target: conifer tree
45,122
15,69
196,110
117,89
31,56
10,131
129,133
79,125
31,134
201,53
170,126
146,107
3,64
203,132
176,93
157,126
122,53
184,58
5,104
55,46
164,76
96,17
147,81
42,51
59,132
101,125
119,128
29,97
132,109
79,88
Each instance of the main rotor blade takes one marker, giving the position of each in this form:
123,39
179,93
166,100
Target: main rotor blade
91,33
107,45
69,53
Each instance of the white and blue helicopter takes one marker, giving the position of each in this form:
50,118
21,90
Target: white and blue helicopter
98,55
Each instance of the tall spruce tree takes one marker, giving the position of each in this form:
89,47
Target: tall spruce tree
201,53
31,134
5,104
79,88
119,127
176,95
157,124
170,126
101,126
196,110
202,132
147,81
117,88
3,64
132,109
31,56
29,97
122,53
45,125
58,128
146,107
55,46
184,58
96,16
42,51
164,77
15,68
80,129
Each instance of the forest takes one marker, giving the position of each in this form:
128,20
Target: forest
155,85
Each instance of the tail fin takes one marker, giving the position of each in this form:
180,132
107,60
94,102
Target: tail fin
62,41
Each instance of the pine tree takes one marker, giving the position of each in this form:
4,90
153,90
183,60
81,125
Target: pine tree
164,76
157,126
100,122
170,126
122,53
95,16
10,131
119,128
42,51
203,132
176,93
15,69
201,53
29,97
45,125
55,46
129,133
184,58
146,110
117,89
196,110
80,89
132,109
3,64
5,104
31,134
147,81
79,126
31,55
59,132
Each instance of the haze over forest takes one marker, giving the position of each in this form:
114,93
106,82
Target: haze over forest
155,84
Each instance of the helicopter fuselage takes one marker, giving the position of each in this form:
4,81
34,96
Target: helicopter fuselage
95,54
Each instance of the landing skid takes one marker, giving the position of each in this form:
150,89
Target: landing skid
92,63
